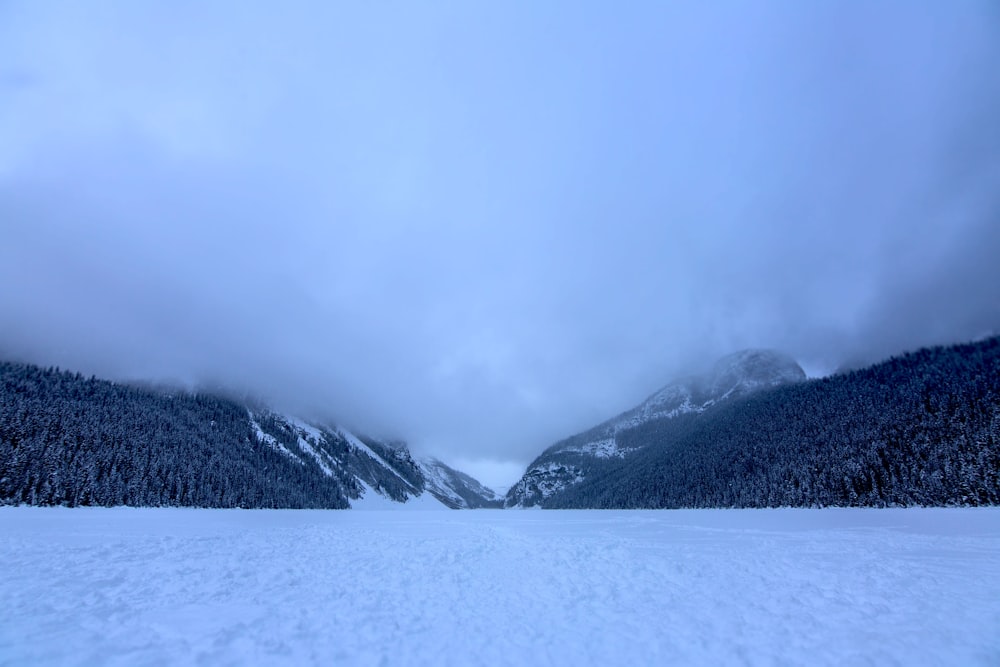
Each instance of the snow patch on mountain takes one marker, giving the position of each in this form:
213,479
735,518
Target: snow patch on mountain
372,474
602,449
544,480
323,460
439,481
357,443
269,439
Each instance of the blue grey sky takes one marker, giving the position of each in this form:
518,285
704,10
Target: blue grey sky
484,226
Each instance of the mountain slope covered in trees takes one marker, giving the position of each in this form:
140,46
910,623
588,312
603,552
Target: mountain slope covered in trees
577,458
66,439
919,429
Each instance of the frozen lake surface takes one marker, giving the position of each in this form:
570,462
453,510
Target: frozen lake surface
130,586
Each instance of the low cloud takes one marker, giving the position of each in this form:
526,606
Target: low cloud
483,229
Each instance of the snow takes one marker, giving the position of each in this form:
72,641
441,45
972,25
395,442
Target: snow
322,458
437,480
128,586
443,481
312,435
271,440
552,476
373,500
602,449
311,431
356,442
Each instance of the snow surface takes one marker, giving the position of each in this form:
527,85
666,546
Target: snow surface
372,500
130,586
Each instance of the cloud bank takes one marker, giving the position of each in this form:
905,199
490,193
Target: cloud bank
484,228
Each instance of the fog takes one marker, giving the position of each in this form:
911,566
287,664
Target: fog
483,227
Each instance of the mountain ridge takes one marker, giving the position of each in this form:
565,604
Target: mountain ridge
919,428
731,376
922,428
67,439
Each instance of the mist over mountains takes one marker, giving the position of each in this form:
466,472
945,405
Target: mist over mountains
70,440
480,228
922,428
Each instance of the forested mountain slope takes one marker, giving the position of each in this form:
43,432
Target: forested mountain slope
65,439
575,459
919,429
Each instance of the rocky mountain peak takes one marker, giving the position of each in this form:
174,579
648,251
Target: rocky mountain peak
748,370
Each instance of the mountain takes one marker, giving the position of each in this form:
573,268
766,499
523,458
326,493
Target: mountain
573,460
66,439
456,489
919,429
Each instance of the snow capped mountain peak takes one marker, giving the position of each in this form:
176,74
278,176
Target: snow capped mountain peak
752,369
732,376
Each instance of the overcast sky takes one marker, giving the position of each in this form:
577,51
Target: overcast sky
484,226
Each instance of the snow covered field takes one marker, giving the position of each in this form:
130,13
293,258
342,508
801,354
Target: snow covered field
215,587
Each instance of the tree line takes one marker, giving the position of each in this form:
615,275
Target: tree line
69,440
919,429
